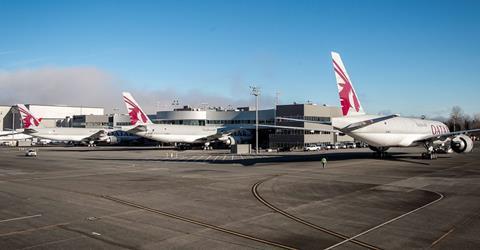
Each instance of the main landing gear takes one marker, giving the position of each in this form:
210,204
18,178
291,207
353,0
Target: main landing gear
430,154
379,152
91,144
207,146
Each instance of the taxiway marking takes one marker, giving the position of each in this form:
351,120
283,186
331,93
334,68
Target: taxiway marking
20,218
389,221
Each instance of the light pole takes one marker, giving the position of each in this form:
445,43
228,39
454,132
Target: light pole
13,122
115,112
256,92
277,94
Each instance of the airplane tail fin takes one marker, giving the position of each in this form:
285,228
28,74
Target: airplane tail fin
28,119
137,116
348,97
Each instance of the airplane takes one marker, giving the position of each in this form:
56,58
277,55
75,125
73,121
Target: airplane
86,136
384,132
142,126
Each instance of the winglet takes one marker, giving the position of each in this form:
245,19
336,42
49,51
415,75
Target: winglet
137,116
28,119
348,97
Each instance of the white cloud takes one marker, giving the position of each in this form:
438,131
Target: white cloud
89,86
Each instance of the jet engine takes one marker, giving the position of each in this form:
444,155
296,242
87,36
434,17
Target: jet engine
230,140
461,144
112,140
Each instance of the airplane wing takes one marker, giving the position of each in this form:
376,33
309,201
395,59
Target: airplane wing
10,134
97,136
300,128
361,124
223,132
26,131
446,135
136,129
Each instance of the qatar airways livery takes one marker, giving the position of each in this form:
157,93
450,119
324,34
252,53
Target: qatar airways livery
383,132
82,135
142,126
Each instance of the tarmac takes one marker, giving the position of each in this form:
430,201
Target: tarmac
150,198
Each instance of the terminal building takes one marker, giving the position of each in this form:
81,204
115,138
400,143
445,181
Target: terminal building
311,135
215,117
94,117
268,137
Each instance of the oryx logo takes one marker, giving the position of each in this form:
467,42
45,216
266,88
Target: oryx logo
347,94
135,112
28,119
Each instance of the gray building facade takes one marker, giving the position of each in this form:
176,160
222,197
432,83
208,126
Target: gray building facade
300,138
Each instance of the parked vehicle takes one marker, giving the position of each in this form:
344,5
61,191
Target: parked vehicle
351,145
333,146
312,148
284,149
31,153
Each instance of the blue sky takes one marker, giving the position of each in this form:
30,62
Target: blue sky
409,57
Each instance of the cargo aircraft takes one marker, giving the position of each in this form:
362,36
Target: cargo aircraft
383,132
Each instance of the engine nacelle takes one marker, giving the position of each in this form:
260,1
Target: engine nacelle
461,144
112,140
230,140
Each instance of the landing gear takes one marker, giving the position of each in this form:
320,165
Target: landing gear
91,144
379,152
207,146
430,154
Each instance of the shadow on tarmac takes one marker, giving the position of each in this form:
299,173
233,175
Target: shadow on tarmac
264,159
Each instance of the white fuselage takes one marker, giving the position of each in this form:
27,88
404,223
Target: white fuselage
394,132
63,134
176,133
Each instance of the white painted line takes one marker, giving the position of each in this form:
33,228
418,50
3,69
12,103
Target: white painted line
208,157
388,222
241,157
216,157
21,218
224,157
232,157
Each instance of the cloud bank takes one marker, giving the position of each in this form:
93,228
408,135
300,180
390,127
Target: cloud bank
90,86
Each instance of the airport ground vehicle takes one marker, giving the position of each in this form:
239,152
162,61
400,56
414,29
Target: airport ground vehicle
31,153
